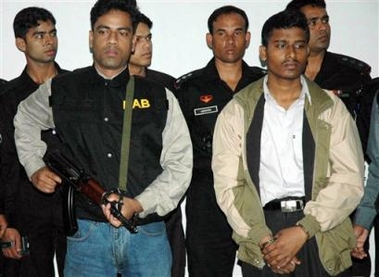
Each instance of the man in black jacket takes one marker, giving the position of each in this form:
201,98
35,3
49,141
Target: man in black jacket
29,212
89,109
202,95
342,74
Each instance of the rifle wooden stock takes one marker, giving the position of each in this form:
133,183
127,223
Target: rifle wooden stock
93,190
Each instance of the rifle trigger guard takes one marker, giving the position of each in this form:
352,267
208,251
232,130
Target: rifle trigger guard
118,204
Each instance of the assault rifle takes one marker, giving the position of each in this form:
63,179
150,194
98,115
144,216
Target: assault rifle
86,185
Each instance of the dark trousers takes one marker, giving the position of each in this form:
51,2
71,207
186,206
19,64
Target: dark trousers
210,248
40,219
310,262
175,235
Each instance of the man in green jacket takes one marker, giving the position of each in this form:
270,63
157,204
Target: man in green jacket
288,164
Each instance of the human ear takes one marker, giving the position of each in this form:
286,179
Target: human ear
20,44
209,39
262,53
90,40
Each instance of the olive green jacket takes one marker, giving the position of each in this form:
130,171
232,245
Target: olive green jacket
337,176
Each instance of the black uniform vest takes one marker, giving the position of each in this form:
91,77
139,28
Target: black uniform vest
88,114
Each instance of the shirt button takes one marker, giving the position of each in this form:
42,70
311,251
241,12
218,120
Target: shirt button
106,119
109,155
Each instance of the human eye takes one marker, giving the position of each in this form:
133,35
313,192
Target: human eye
325,19
220,33
53,33
102,31
149,37
300,45
312,22
280,45
124,33
238,32
39,35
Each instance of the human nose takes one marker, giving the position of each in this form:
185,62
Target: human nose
230,38
49,40
148,44
291,52
112,38
321,24
144,42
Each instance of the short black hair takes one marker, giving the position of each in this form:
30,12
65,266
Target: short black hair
131,2
102,7
226,10
28,18
141,18
298,4
284,20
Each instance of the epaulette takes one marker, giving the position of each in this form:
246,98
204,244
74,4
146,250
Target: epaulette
359,65
10,86
259,70
184,78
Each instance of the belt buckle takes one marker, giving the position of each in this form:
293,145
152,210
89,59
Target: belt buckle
290,206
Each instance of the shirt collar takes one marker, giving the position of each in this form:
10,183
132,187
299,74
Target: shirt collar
106,78
304,90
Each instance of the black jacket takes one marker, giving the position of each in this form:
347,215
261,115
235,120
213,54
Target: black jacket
347,76
16,187
162,78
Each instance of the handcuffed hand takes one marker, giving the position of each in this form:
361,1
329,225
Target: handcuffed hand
290,267
281,255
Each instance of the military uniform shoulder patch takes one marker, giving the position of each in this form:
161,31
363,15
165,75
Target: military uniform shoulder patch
259,70
359,65
184,78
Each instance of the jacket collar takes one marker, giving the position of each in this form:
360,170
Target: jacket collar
120,79
249,96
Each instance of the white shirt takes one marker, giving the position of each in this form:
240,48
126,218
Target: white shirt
281,167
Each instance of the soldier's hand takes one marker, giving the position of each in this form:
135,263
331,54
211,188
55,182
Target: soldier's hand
3,225
12,236
45,180
128,209
361,234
